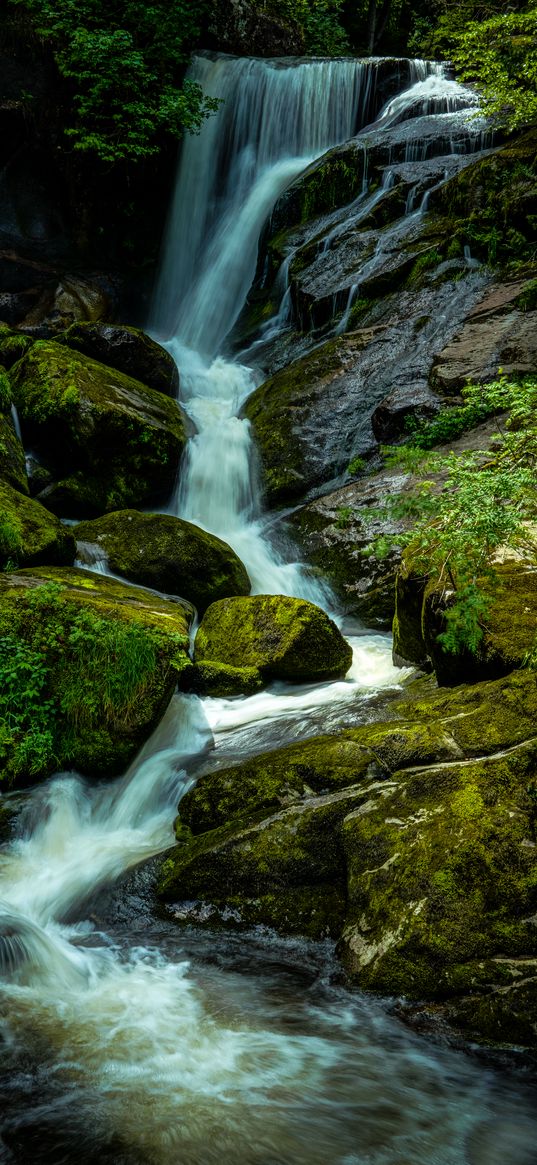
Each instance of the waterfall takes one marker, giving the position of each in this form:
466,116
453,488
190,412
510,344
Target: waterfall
178,1064
275,118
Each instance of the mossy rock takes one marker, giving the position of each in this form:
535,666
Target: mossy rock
274,780
508,635
442,875
288,415
481,718
12,460
29,534
105,657
294,854
168,554
219,679
283,638
13,346
127,349
86,420
320,765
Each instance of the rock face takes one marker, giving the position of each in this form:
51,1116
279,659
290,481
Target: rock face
412,841
29,534
282,638
499,332
105,658
335,532
108,439
168,554
128,350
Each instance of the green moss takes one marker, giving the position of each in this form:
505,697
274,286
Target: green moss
218,679
29,535
173,556
87,420
13,346
89,666
282,637
12,461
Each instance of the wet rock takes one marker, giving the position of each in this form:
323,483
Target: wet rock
127,349
106,658
497,333
29,534
283,638
389,420
160,551
109,441
335,533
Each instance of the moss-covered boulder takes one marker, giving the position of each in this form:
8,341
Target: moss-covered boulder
29,534
13,346
90,663
285,870
128,350
414,841
283,638
442,876
118,441
160,551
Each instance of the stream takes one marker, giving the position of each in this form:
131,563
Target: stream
126,1038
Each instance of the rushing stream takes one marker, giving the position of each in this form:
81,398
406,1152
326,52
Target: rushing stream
125,1038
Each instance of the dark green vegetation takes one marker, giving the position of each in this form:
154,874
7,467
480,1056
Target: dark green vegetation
122,64
87,667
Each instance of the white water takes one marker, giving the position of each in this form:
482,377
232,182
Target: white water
128,1044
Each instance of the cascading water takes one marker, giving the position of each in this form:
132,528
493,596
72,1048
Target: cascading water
133,1061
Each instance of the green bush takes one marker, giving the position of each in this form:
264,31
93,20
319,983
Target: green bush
474,503
123,62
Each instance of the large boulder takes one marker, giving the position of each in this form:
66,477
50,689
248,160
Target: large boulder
29,534
127,349
91,666
283,638
160,551
109,440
